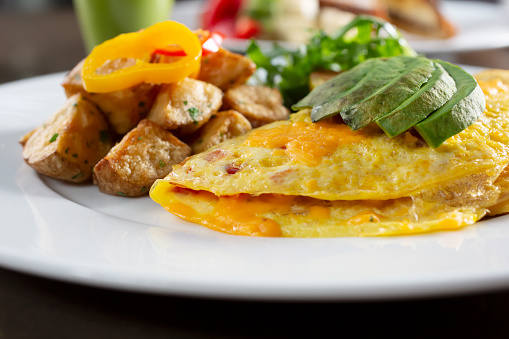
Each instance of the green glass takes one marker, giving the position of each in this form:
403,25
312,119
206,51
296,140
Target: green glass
100,20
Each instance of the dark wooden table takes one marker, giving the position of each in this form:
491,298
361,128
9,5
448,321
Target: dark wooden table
32,307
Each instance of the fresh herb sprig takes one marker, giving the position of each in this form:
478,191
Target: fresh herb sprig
363,38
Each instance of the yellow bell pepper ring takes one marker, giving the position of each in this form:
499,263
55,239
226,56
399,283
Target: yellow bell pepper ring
140,46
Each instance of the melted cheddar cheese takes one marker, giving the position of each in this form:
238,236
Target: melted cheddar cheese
273,215
304,142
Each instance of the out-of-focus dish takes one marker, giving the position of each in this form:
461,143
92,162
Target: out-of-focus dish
479,25
289,20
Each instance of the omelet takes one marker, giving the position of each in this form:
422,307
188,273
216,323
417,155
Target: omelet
302,179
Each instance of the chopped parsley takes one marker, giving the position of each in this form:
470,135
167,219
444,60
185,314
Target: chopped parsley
122,194
53,138
194,112
161,164
76,176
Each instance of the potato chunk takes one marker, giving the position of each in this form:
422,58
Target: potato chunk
259,104
186,105
123,108
225,69
69,143
143,155
224,126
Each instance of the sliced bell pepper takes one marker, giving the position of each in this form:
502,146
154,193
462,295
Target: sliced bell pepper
140,46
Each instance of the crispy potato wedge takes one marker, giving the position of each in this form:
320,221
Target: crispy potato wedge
259,104
69,143
124,108
224,126
186,105
143,155
225,69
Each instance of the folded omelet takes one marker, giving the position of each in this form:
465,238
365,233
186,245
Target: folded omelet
303,179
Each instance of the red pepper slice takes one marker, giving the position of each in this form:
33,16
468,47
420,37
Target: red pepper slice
171,52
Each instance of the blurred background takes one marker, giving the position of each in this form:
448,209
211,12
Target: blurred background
42,36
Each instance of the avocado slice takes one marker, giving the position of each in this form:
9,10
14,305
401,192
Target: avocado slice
391,82
430,97
462,110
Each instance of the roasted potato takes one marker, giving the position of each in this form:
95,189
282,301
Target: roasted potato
69,143
143,155
319,77
186,105
259,104
123,108
223,126
225,69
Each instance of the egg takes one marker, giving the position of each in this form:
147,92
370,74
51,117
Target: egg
303,179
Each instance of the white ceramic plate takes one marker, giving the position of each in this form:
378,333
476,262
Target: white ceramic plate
76,234
480,26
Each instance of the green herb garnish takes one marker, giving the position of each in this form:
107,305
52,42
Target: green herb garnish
194,112
363,38
53,138
76,176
